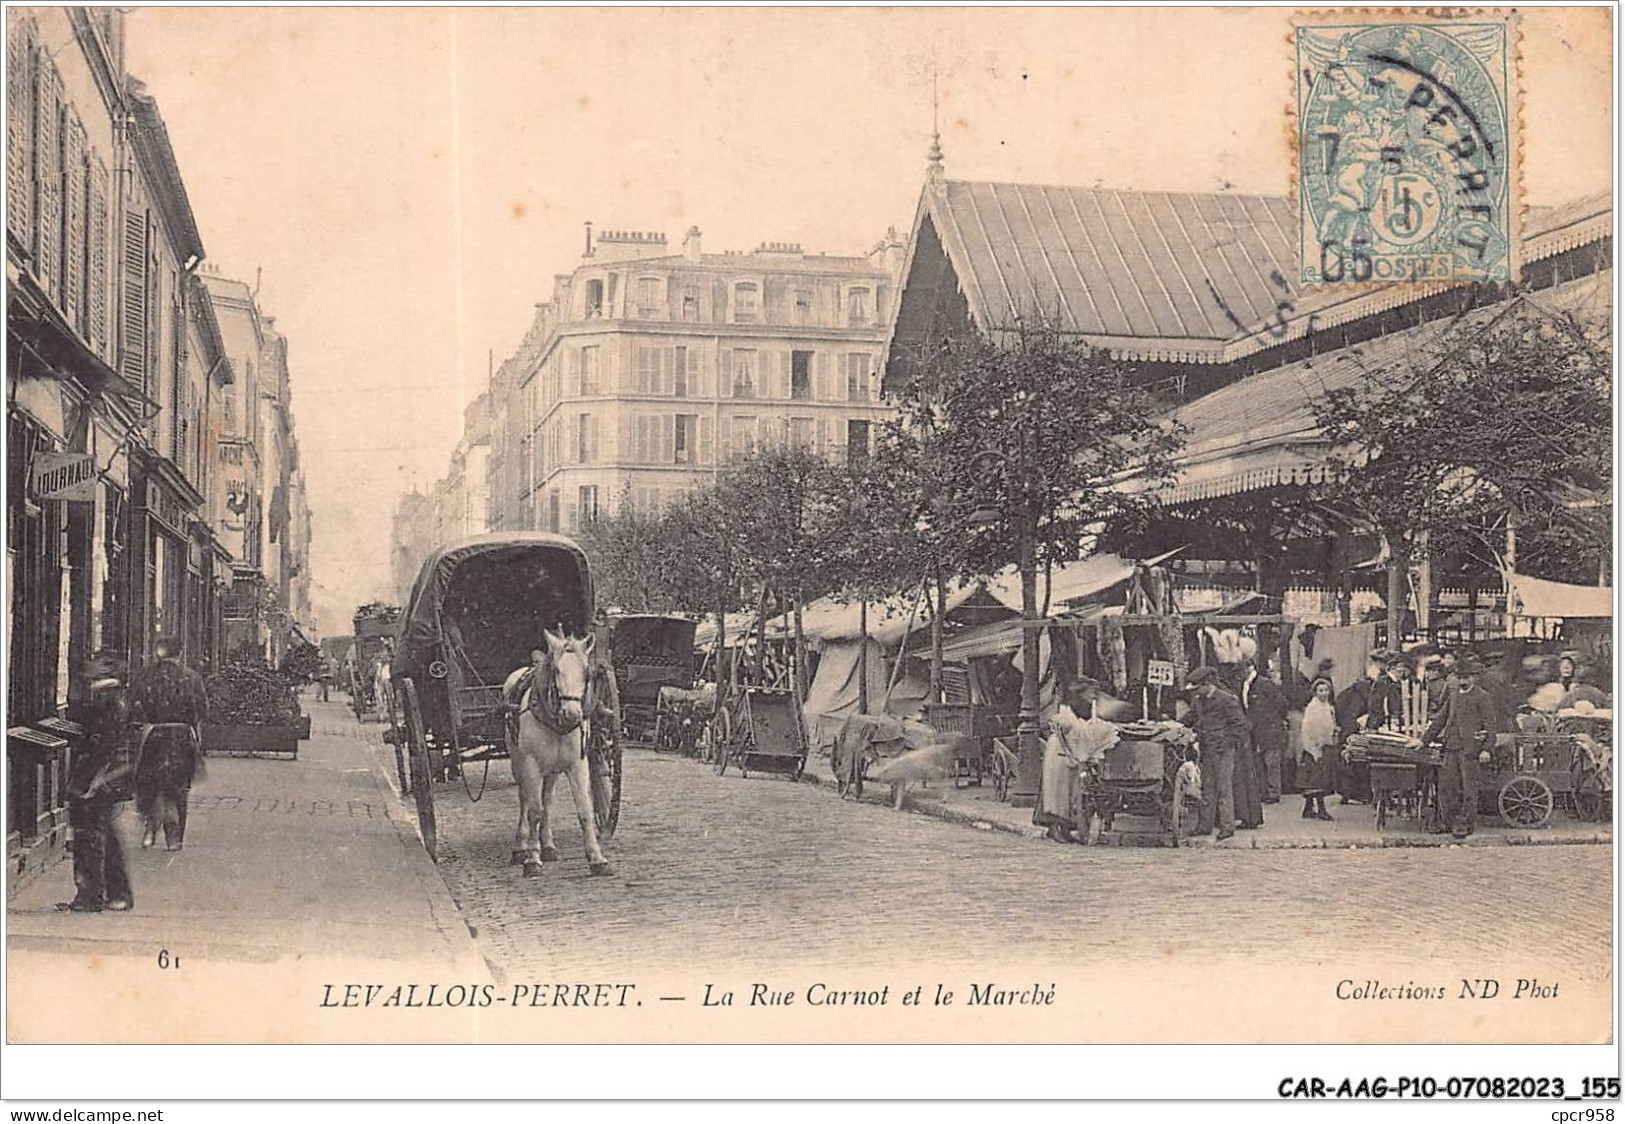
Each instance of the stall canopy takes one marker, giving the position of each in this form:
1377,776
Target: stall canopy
1537,598
828,619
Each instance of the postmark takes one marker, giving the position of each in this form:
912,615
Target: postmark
1407,148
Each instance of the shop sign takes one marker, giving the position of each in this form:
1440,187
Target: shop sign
65,476
1159,673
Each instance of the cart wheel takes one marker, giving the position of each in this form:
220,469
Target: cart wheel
1525,801
402,750
721,740
1588,794
604,764
422,780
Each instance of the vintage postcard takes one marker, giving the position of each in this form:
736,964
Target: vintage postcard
846,526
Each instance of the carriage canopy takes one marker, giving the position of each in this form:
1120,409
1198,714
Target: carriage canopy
487,599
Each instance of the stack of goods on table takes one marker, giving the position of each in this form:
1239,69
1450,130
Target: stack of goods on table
1388,747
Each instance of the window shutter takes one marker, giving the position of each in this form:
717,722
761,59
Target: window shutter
668,441
705,441
783,388
823,435
73,222
100,333
725,376
623,439
133,304
822,380
48,177
177,358
20,128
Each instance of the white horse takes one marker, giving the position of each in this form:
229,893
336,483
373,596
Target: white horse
383,694
547,739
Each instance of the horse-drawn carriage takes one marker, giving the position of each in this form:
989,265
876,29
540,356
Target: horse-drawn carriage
374,637
683,718
648,653
480,609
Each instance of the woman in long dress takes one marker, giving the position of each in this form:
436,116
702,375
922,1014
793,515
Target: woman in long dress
1317,752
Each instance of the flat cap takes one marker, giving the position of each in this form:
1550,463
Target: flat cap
1200,675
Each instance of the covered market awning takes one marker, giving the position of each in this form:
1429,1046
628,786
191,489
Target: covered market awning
1261,431
1533,597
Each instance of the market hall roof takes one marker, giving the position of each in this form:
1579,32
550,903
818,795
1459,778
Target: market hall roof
1174,271
1261,431
1166,276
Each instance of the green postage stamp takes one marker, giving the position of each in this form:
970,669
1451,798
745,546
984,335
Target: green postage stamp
1407,148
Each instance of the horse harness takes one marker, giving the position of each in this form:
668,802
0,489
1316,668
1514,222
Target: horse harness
544,702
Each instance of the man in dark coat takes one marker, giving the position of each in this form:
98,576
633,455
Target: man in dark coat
1468,725
1266,707
1223,734
166,692
100,877
1352,703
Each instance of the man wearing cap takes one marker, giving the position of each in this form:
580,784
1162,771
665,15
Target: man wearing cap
101,879
1468,723
1223,733
166,692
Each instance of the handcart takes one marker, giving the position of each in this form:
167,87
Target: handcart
762,731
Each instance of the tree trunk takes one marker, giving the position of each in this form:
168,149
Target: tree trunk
936,635
1396,599
801,657
722,635
1024,791
863,656
761,632
1510,564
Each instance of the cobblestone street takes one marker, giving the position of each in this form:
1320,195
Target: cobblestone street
710,869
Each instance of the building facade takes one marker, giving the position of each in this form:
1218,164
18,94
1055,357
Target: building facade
259,486
116,375
650,370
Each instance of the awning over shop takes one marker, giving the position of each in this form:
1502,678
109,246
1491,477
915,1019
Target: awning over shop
1536,598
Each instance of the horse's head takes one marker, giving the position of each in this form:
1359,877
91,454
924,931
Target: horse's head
565,664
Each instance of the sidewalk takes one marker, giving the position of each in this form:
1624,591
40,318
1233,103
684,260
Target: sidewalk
304,872
1353,825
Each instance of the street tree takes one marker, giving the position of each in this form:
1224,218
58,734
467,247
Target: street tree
1493,443
1034,429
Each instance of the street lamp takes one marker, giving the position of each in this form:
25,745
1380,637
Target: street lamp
985,467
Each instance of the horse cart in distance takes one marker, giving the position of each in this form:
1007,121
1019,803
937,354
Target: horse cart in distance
478,612
374,638
647,653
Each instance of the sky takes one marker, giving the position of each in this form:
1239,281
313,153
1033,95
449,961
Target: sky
406,182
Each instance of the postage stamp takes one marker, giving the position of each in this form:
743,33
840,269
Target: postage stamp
1407,148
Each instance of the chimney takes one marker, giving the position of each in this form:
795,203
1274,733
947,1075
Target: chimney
691,244
588,251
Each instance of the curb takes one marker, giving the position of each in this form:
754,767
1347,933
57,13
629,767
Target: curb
443,907
933,810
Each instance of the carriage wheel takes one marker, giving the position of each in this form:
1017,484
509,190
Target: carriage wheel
721,740
1588,794
402,751
1525,801
422,779
604,764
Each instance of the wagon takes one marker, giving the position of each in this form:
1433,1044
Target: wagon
1137,777
648,653
374,636
683,719
478,609
761,730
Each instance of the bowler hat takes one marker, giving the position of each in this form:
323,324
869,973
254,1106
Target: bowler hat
1469,666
